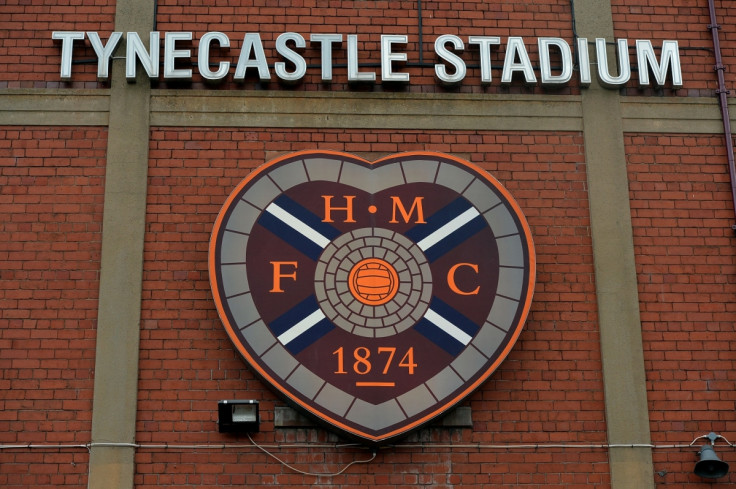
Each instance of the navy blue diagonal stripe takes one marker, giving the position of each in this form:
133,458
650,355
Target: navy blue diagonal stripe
439,337
454,239
438,219
292,317
288,319
454,316
290,235
307,217
310,336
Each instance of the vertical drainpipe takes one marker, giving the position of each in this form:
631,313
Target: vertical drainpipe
722,93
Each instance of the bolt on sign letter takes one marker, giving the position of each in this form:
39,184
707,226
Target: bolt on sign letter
374,296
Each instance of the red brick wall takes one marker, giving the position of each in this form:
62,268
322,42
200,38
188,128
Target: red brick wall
29,58
725,12
51,186
549,390
688,23
686,260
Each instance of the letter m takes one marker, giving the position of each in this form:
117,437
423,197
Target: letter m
646,58
415,206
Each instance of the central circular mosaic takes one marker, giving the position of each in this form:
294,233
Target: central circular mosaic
373,282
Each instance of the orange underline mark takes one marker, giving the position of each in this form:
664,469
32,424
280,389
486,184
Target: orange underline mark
375,384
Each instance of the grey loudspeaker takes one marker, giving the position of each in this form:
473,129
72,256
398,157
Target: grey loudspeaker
710,466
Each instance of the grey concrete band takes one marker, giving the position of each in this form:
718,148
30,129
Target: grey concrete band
118,321
627,415
188,108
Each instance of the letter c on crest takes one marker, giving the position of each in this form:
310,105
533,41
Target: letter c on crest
451,279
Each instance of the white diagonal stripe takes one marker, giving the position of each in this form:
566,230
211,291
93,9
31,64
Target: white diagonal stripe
287,336
447,327
448,229
297,225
